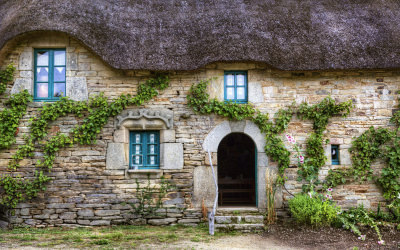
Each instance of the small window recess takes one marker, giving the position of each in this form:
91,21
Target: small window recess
335,156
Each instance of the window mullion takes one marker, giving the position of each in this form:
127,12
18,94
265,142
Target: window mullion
51,74
144,149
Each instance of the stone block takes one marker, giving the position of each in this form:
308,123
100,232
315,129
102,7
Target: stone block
214,159
215,136
76,88
72,61
21,84
100,223
26,60
186,221
107,212
254,219
223,219
171,156
254,132
255,93
167,135
85,213
116,156
203,186
174,201
237,126
159,222
68,216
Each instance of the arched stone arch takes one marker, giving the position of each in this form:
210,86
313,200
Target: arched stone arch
203,175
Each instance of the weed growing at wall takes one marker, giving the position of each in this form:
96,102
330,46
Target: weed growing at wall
99,110
199,101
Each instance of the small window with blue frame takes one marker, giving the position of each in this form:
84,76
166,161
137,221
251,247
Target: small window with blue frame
49,74
235,86
144,150
335,155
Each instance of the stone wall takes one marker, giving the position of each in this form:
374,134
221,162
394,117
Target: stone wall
88,190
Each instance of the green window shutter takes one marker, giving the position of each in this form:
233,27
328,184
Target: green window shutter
235,86
144,150
49,74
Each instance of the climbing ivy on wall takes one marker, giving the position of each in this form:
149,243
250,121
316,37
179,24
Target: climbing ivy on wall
373,144
320,114
98,109
6,77
199,101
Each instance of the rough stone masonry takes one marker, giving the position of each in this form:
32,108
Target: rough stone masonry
92,185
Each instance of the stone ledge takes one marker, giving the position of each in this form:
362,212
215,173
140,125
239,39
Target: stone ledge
144,171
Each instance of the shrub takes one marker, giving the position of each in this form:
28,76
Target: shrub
313,210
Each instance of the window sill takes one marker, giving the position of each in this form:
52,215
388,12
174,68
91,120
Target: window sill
144,171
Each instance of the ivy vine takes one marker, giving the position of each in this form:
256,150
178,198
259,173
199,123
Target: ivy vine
6,77
199,101
320,114
99,110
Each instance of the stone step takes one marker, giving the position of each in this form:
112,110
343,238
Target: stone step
238,211
239,219
246,228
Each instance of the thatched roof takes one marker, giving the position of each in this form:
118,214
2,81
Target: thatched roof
183,35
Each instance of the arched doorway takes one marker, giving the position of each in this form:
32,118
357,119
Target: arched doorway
237,170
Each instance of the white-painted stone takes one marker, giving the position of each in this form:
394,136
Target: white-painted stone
262,159
261,195
26,61
203,186
255,92
237,126
21,84
254,132
171,156
216,86
215,136
327,150
116,156
167,135
77,88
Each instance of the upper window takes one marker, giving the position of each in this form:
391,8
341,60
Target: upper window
235,85
49,74
335,155
144,150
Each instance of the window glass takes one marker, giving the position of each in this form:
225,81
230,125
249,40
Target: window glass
335,155
144,149
49,74
236,86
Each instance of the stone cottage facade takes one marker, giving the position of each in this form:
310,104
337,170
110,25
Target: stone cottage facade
92,185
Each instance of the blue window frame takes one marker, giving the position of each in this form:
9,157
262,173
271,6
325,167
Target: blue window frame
49,74
335,156
144,149
235,86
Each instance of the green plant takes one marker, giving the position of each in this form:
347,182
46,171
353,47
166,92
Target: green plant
320,114
313,209
150,199
6,77
98,108
358,216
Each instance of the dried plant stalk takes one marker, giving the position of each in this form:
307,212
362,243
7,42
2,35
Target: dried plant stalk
270,189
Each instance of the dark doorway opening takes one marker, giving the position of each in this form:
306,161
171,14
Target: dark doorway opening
236,171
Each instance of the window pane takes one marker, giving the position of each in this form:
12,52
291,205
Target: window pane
42,74
137,160
59,57
59,74
230,80
240,80
240,93
42,90
152,160
230,94
152,149
137,138
152,138
42,58
137,149
59,89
